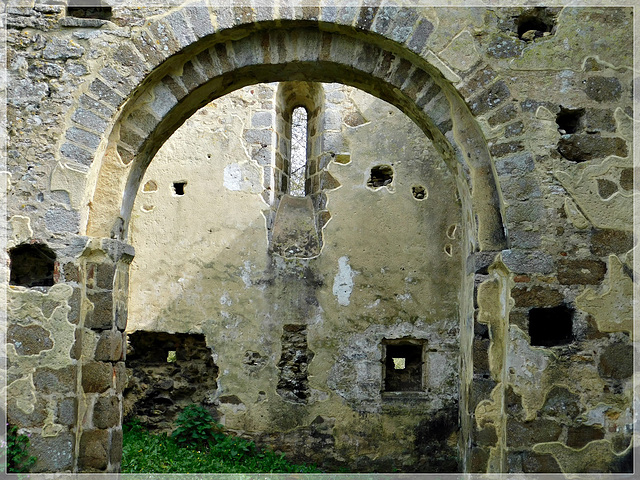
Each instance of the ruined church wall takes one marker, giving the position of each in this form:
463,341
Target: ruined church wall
389,268
566,196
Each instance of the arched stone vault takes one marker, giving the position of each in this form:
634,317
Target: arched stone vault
219,63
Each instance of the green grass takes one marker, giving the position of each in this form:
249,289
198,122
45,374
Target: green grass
145,452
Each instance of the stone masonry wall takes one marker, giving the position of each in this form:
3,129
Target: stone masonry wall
502,244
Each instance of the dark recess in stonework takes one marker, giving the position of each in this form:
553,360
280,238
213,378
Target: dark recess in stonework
293,384
169,372
178,188
550,327
535,23
381,175
32,265
403,368
88,9
569,120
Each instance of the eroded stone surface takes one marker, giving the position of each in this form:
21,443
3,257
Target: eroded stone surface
521,139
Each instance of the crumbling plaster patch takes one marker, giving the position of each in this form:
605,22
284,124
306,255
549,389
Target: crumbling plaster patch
343,281
580,181
21,231
611,297
596,456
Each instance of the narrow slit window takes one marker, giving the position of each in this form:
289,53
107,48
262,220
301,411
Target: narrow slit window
298,161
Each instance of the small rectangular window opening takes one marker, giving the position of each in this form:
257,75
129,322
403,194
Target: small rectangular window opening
550,327
178,188
403,366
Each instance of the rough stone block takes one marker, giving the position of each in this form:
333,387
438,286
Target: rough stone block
605,242
479,81
58,219
105,93
491,98
131,138
97,377
62,49
261,137
505,46
29,340
536,296
616,361
62,380
71,272
603,89
94,451
539,463
479,460
115,455
181,27
104,273
199,19
581,272
96,106
110,346
106,412
420,35
562,404
481,356
18,417
518,164
529,261
505,114
584,147
486,436
480,390
121,314
527,434
524,211
66,411
101,317
121,377
578,437
53,454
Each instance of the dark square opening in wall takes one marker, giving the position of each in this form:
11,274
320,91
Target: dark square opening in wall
88,9
32,265
550,327
381,175
178,188
403,366
569,120
535,23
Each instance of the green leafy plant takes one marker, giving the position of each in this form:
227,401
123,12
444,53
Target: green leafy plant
18,458
145,452
197,428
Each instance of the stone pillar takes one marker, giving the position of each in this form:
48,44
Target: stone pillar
100,351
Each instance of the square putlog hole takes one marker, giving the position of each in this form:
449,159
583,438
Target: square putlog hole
550,327
403,367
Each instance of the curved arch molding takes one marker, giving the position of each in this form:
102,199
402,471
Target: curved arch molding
198,62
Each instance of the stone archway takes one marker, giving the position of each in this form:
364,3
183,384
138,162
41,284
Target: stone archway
204,65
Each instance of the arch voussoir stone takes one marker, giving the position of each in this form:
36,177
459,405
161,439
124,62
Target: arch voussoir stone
181,28
148,48
249,53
